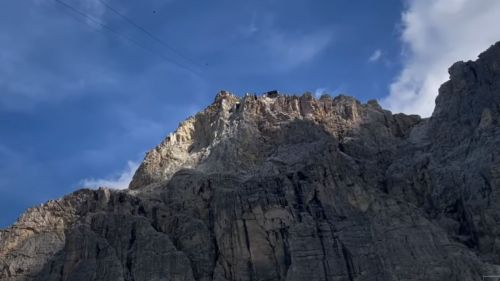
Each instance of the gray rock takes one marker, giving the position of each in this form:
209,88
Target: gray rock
294,188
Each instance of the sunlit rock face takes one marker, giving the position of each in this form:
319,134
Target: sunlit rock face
244,136
282,187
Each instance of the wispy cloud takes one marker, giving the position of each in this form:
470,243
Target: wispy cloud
280,48
435,34
289,50
93,8
252,26
330,91
377,54
120,180
320,91
50,71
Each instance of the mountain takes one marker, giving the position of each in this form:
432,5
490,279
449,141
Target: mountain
278,187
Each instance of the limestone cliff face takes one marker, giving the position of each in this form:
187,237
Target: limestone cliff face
278,187
252,134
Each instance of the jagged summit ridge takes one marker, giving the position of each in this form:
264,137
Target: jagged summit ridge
291,188
232,120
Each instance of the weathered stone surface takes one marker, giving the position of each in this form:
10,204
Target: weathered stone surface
279,187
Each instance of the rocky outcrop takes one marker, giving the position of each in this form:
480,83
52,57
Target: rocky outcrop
278,187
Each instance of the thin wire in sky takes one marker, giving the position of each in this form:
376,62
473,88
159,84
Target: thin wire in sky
148,33
118,34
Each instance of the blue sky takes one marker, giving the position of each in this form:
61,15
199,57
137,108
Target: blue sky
80,105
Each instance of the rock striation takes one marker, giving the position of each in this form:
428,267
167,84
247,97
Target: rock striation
295,188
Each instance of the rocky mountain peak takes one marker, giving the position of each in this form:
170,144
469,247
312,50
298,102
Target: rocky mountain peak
469,91
242,130
283,187
469,101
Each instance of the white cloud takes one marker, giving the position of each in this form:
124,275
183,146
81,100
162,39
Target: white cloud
118,181
437,33
377,54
